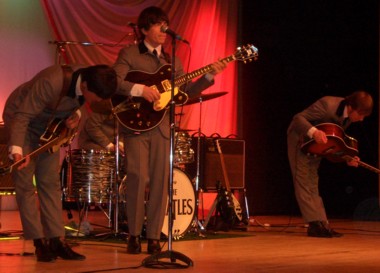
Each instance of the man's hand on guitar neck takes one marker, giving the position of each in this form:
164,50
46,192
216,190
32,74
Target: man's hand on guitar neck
18,157
353,161
72,121
151,94
218,67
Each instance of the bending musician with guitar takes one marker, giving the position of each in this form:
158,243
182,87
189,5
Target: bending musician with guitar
40,115
317,132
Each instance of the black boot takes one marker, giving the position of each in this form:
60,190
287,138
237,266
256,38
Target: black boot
42,252
63,250
322,230
154,246
134,245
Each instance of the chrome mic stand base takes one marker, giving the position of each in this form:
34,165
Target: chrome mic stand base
153,261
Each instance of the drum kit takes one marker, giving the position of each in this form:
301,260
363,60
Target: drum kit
91,178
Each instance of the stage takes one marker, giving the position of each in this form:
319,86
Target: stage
275,244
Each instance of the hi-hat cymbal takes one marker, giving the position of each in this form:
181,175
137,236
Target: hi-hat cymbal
183,130
205,97
105,106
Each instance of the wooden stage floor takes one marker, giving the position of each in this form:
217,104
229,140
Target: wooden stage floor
275,244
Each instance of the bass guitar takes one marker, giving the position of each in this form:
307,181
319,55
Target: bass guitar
339,147
55,136
147,116
229,206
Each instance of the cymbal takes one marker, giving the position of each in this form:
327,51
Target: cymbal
205,97
183,130
105,107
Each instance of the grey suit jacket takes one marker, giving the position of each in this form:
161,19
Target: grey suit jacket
32,104
326,109
137,57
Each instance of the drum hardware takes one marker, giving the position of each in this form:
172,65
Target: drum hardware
61,46
114,189
205,97
197,225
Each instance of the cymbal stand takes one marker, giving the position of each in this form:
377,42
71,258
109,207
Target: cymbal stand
197,225
114,187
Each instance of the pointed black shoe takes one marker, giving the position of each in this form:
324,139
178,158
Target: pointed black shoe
64,251
154,246
134,245
43,252
319,229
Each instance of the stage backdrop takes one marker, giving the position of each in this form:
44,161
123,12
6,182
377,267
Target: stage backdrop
36,35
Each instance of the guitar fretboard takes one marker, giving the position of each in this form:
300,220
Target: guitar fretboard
199,72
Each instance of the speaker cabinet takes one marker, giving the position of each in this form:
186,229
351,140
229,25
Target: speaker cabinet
232,152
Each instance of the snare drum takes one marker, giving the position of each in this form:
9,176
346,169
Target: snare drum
183,205
92,172
183,152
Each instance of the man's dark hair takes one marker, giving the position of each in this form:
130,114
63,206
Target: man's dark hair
361,101
150,16
101,80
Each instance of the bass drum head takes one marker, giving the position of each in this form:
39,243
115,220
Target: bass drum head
183,205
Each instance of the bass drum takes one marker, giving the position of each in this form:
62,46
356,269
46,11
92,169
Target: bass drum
183,205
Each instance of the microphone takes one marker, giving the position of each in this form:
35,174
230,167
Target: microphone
167,30
130,24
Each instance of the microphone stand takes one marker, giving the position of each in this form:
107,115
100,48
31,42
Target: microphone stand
170,254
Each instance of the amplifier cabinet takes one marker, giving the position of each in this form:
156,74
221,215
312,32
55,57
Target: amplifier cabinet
210,162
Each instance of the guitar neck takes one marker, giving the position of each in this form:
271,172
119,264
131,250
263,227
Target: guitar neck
223,163
369,167
199,72
362,164
36,152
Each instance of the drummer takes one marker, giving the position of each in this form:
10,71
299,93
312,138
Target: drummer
97,132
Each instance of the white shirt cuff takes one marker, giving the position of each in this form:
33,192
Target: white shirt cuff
14,150
311,131
137,90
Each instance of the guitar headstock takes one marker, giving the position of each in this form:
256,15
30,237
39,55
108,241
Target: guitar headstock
218,147
246,53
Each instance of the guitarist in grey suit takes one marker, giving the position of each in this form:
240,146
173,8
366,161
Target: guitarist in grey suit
147,151
340,111
54,93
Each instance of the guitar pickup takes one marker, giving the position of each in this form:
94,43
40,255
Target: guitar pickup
166,85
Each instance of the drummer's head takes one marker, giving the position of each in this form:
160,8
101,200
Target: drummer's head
359,105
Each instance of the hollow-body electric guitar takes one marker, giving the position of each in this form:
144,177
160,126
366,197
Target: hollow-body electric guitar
230,206
149,115
339,147
55,136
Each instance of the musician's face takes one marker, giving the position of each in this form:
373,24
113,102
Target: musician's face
355,116
154,36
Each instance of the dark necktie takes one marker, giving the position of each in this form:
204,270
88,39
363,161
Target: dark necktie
155,53
345,123
81,100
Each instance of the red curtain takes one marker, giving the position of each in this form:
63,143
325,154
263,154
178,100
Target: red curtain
93,32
